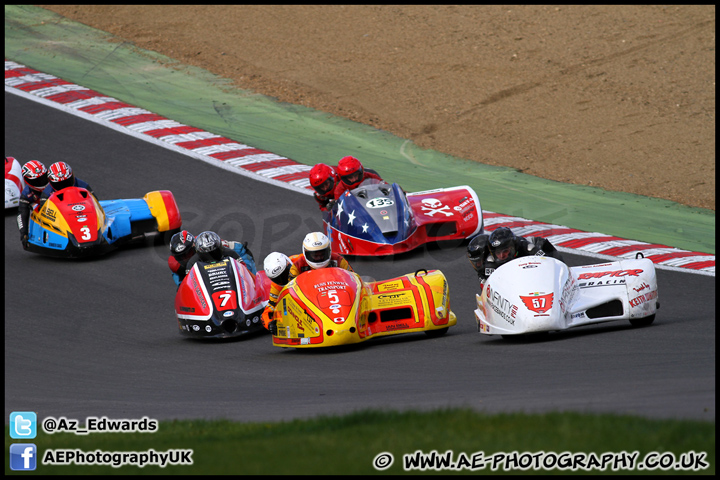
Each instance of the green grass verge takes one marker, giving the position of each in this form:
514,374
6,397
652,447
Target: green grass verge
349,444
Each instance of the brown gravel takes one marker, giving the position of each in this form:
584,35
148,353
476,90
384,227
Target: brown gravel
620,97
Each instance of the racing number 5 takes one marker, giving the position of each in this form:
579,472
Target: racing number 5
332,296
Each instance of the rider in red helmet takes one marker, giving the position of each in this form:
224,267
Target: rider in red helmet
60,176
352,174
323,179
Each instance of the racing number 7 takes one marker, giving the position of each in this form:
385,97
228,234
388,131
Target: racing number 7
225,297
225,300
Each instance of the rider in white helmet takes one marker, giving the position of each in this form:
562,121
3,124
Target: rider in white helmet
282,269
317,253
277,268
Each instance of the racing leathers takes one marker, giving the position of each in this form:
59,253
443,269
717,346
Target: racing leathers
180,266
29,198
49,190
524,246
226,252
341,187
299,265
275,289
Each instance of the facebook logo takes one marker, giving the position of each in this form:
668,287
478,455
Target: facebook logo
23,425
23,456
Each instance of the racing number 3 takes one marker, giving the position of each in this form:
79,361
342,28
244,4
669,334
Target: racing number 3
86,235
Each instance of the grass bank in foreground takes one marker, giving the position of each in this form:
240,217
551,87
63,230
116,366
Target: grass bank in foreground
352,444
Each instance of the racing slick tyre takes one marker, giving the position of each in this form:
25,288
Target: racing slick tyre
436,333
642,322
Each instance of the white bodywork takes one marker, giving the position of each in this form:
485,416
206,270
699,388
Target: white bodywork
539,294
14,184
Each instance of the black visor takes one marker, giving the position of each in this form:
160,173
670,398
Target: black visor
318,256
352,178
326,187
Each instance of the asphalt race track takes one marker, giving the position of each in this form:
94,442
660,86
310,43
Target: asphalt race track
99,338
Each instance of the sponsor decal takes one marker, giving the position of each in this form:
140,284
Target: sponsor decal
642,287
198,292
78,208
215,265
539,303
396,326
569,293
393,299
614,274
187,309
637,301
384,287
502,306
601,283
48,213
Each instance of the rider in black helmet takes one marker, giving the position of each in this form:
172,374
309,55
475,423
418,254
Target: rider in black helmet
209,249
488,252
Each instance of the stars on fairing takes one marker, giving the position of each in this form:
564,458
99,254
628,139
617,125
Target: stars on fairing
351,217
339,210
365,228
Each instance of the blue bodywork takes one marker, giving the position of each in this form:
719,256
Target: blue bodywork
124,220
377,212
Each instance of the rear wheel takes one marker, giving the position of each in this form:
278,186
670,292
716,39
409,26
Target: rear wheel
436,333
642,322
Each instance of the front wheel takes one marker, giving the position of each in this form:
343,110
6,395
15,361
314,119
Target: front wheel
642,322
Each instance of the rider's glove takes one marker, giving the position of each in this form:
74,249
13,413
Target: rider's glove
272,326
24,240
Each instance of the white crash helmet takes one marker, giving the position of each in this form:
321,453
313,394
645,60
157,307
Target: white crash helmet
316,248
277,267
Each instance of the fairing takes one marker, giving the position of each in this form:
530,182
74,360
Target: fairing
538,294
381,219
331,307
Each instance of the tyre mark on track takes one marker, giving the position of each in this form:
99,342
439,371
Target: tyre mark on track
574,69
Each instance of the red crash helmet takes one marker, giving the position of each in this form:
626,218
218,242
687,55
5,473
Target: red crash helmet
323,179
351,171
35,175
60,176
